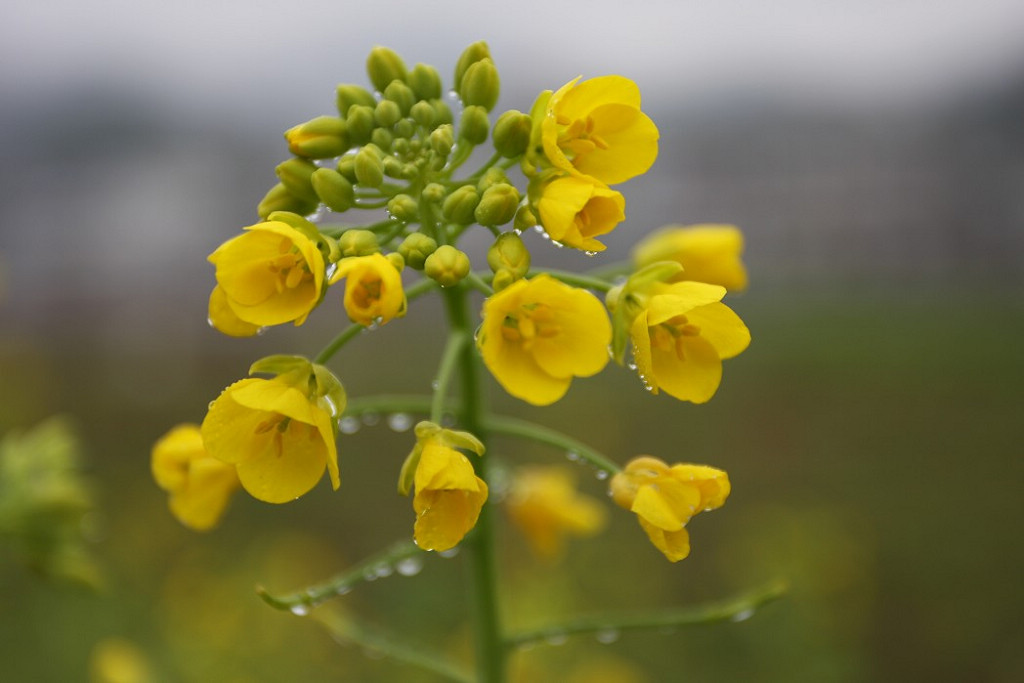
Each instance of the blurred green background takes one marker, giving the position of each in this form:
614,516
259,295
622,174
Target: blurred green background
872,432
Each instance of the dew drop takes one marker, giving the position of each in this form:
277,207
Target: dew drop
631,365
332,407
370,419
556,639
590,253
370,575
348,425
261,331
557,244
601,475
383,570
299,610
447,554
399,422
410,566
742,615
572,456
607,636
343,590
435,384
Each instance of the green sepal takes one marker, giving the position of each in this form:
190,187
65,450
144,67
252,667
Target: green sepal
330,388
281,364
425,82
298,222
407,475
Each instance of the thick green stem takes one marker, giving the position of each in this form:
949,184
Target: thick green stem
490,649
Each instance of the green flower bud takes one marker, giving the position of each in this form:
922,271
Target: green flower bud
473,125
396,260
492,176
382,138
433,192
447,266
387,113
502,279
368,168
393,168
471,55
319,138
360,123
460,205
400,147
498,205
509,253
425,82
347,166
416,248
383,66
423,114
525,219
410,171
333,189
402,207
442,139
442,112
480,84
401,94
294,174
278,198
512,133
405,128
348,95
358,243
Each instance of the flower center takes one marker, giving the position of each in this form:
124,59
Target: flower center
534,321
577,137
670,335
289,267
366,293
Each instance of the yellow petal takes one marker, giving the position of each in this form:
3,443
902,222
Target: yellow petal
201,504
224,318
288,466
275,396
679,299
666,504
675,545
446,516
229,427
694,377
722,328
444,468
172,453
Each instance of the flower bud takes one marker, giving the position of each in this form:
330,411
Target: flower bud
460,205
348,95
393,168
360,123
358,243
319,138
509,253
333,189
294,174
401,94
387,113
473,125
383,66
497,205
433,192
492,176
396,260
347,167
525,219
368,168
471,55
425,82
404,129
447,266
278,198
442,139
402,207
512,133
480,84
442,112
423,114
416,248
502,279
382,138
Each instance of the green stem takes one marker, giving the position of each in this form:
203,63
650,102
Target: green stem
575,279
735,609
511,426
490,649
347,335
449,359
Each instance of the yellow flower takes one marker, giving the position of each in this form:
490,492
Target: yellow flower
665,498
574,210
373,291
270,274
596,128
449,495
224,319
544,503
707,253
538,334
280,432
200,486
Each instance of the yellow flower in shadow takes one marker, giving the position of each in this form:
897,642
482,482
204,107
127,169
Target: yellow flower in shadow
546,506
664,499
200,486
708,253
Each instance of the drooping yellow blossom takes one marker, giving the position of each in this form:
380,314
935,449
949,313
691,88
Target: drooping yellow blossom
280,432
538,334
373,289
664,499
596,128
574,210
708,253
224,319
544,503
448,494
270,274
199,485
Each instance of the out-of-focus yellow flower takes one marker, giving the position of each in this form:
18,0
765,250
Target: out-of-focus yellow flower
544,503
665,498
538,334
116,660
574,210
373,289
596,128
199,485
278,432
708,253
270,274
448,495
